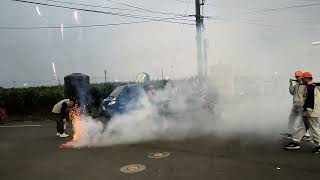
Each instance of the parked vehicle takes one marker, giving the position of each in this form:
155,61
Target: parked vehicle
122,100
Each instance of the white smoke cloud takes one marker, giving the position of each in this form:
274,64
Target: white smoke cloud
192,112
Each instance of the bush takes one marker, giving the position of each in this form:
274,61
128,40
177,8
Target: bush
42,99
28,100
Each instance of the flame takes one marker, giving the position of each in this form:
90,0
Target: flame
75,116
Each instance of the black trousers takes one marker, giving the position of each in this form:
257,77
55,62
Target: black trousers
60,127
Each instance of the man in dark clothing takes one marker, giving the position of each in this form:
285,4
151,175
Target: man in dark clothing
64,116
61,109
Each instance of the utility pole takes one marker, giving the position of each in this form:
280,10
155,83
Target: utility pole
172,72
201,47
162,73
105,76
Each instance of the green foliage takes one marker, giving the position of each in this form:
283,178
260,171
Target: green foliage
42,99
28,100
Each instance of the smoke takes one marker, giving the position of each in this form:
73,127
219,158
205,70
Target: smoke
187,109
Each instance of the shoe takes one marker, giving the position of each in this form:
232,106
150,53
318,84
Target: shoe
64,135
306,138
58,134
316,150
287,135
292,146
307,134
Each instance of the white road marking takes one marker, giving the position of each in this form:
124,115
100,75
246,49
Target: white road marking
18,126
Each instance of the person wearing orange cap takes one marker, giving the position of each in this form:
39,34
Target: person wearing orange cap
298,92
311,114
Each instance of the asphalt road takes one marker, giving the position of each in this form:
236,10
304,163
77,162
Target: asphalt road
32,153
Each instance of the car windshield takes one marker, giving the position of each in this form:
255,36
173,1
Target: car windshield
115,93
133,91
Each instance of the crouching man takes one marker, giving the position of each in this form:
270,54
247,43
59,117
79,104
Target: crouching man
61,109
311,114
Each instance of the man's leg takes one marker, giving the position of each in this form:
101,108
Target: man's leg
64,124
307,136
300,131
57,125
297,135
314,130
60,126
294,115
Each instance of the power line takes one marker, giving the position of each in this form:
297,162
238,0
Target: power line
283,8
314,4
244,22
253,23
108,13
81,26
147,10
72,27
263,25
89,10
233,18
182,1
188,2
208,4
114,8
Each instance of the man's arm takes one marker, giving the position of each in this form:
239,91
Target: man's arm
291,87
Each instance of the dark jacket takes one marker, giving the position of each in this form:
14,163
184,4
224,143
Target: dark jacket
311,97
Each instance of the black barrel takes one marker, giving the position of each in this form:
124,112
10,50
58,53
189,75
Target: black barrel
76,86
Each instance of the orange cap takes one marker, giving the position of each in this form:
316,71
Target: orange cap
306,75
298,73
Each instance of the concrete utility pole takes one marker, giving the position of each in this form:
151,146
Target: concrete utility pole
162,74
201,46
105,76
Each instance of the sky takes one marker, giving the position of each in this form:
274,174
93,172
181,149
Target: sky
256,37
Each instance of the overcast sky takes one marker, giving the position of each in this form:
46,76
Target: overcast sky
241,34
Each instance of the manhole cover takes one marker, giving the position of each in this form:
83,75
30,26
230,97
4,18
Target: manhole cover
133,168
158,155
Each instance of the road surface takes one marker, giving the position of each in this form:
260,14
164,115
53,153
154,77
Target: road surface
29,151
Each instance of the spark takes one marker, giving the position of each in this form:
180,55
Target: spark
62,32
54,71
316,43
38,11
76,17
